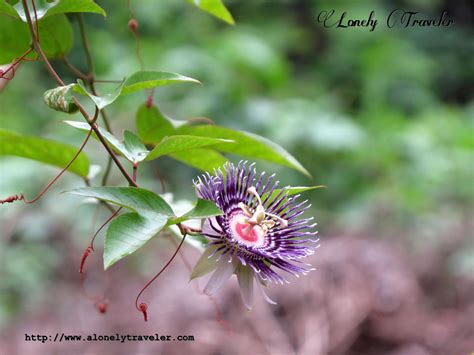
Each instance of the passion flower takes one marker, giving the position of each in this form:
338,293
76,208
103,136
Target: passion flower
260,234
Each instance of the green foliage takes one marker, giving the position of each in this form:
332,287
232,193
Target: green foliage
365,113
129,232
175,144
7,9
46,8
200,158
117,145
215,8
56,36
138,200
15,38
292,190
138,81
134,149
14,34
203,209
43,150
152,126
100,101
151,79
246,144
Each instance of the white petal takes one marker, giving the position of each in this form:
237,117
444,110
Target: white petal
265,296
245,277
223,272
207,229
205,263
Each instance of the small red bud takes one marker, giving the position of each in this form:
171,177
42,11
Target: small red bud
132,25
102,307
149,101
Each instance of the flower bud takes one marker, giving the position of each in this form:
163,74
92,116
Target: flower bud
132,25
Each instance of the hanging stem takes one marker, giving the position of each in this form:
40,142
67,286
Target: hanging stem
39,50
142,307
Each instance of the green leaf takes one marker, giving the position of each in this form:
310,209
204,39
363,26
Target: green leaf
43,150
129,232
149,79
7,9
152,126
293,190
214,7
60,99
99,101
246,144
174,144
55,32
134,152
201,158
14,38
203,209
47,8
134,147
56,36
142,201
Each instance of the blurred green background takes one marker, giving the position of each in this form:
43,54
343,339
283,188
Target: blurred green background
384,119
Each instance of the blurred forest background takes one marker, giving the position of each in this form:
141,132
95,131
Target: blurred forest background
385,119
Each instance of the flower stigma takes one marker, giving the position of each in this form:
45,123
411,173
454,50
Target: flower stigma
250,228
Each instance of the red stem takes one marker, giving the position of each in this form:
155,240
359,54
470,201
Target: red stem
21,197
56,77
143,306
90,248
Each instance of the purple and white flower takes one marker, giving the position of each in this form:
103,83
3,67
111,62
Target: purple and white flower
260,234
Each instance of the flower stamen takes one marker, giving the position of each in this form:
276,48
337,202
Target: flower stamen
258,217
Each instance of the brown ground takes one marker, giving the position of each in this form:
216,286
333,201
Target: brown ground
366,297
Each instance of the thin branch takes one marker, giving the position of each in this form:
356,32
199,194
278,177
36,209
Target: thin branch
85,44
56,77
75,71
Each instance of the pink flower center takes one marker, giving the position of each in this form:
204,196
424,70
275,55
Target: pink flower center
245,233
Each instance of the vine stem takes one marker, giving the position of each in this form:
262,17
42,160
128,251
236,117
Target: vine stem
142,307
54,74
21,197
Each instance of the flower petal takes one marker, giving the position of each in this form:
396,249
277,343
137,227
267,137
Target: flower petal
224,271
264,294
206,263
245,277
